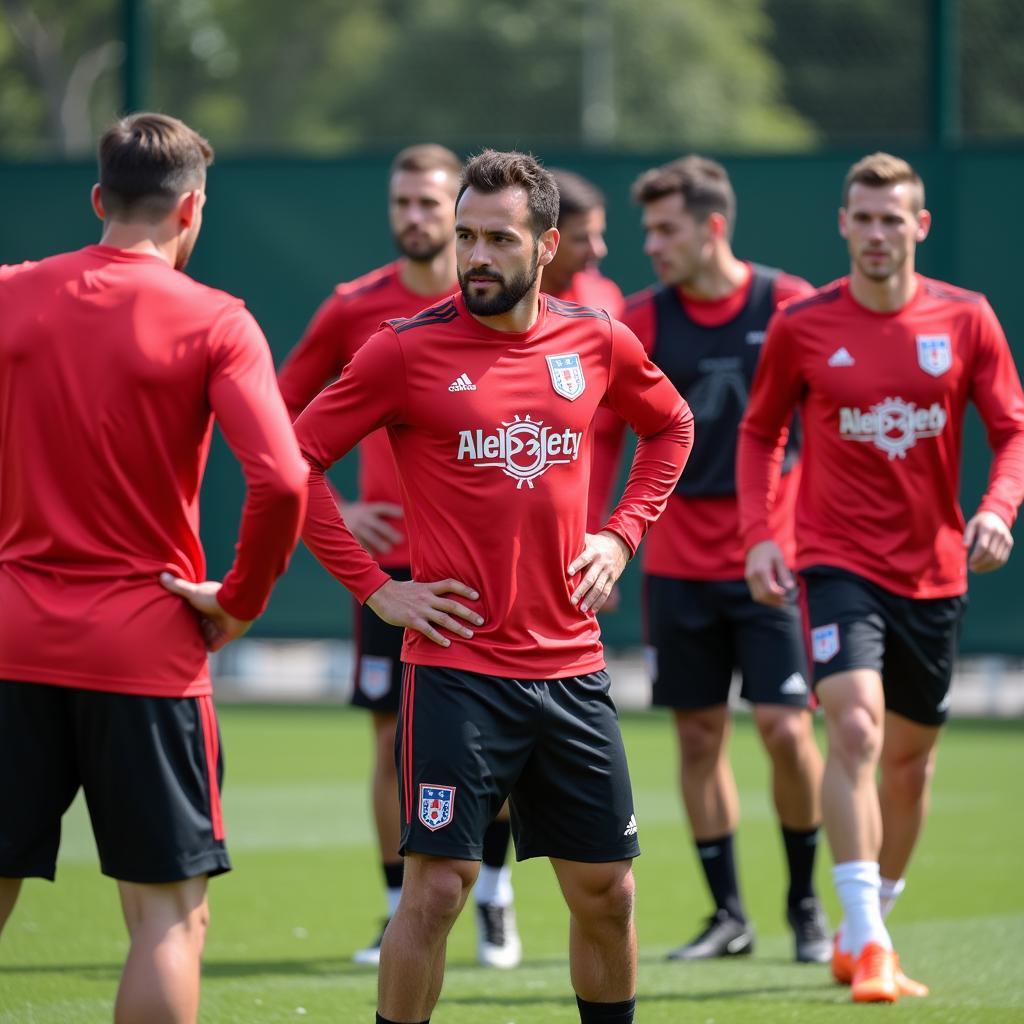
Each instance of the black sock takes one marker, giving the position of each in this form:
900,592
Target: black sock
606,1013
801,847
719,864
384,1020
496,843
393,874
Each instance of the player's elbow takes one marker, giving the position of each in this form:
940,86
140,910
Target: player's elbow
285,487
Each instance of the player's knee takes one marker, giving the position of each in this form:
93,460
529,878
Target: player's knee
908,778
606,897
700,742
859,736
786,735
436,891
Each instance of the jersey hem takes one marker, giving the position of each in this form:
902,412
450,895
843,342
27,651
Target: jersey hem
200,687
506,671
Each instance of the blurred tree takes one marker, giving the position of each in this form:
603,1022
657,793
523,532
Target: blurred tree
326,75
58,65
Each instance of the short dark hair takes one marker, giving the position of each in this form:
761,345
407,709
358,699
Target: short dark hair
879,170
146,161
704,185
427,156
575,194
493,171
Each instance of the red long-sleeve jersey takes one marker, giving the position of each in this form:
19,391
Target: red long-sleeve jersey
112,367
347,318
492,435
882,399
698,536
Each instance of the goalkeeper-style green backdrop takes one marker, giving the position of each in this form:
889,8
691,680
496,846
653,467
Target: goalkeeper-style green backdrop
281,232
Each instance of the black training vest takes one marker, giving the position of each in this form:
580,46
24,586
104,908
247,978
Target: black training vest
712,368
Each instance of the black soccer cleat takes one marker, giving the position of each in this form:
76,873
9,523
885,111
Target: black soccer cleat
813,944
724,935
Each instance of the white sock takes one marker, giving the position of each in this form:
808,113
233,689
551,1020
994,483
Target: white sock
394,895
857,884
888,893
494,886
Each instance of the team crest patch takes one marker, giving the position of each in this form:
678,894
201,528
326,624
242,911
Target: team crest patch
934,353
567,375
374,676
825,642
437,805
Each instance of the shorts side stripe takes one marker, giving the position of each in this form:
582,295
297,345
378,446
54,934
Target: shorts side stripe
408,690
208,721
805,629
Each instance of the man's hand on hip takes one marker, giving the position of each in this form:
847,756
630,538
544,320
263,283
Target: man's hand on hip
604,556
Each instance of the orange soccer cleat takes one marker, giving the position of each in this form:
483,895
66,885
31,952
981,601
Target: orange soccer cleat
844,964
874,977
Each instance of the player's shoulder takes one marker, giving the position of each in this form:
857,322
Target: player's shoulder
790,286
437,315
569,310
944,292
644,297
806,304
369,284
9,271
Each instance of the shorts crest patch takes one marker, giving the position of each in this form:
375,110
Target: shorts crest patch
437,805
567,375
374,676
825,642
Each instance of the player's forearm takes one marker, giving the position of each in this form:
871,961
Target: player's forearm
271,520
653,475
609,433
1006,479
758,475
333,545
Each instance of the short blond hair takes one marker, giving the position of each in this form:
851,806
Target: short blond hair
879,170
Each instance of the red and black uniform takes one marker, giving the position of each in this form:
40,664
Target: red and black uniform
701,620
112,368
354,311
882,399
494,482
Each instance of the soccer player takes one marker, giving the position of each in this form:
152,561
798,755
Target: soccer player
703,325
505,690
113,365
881,365
423,182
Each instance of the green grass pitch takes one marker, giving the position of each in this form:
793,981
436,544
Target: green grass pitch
305,892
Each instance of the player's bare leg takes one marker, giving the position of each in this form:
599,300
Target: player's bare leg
602,930
712,807
854,716
386,814
167,926
854,707
788,737
9,889
706,779
412,954
907,765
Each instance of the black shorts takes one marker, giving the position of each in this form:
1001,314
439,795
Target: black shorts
700,630
377,665
910,642
466,742
151,769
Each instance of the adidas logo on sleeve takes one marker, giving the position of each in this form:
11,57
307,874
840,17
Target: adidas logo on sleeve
462,383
